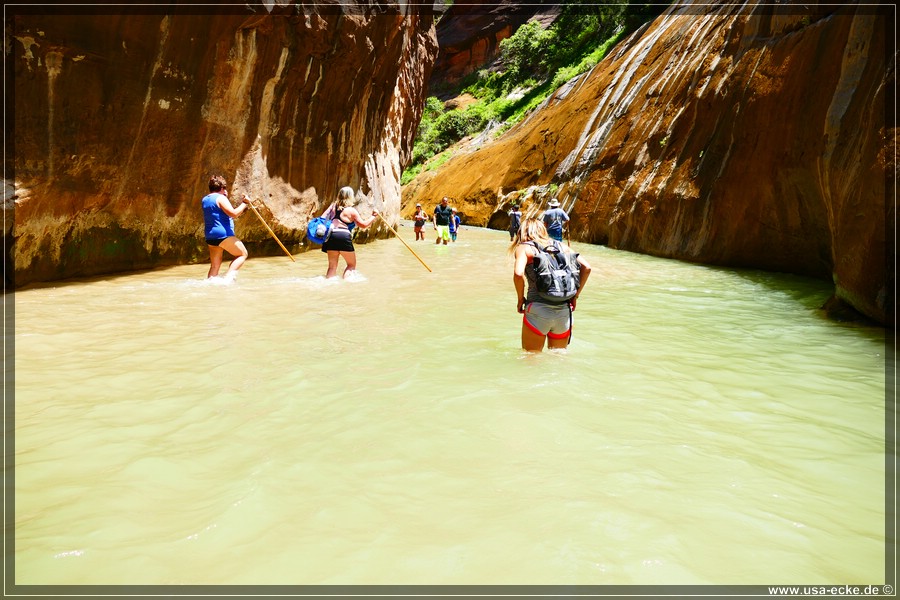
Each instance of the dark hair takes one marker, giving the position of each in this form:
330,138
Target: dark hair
216,183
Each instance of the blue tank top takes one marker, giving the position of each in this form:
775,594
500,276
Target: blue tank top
217,225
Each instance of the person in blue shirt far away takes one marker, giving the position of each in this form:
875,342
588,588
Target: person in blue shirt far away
454,224
555,220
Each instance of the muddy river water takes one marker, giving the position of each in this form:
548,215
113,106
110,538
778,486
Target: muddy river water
706,426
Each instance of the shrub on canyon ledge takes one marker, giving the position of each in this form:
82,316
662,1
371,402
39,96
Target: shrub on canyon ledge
533,62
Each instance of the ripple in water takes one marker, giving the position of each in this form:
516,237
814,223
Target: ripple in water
706,426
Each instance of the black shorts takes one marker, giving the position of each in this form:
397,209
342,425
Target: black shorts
215,241
340,240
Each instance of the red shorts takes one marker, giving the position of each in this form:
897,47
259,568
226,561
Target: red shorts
551,320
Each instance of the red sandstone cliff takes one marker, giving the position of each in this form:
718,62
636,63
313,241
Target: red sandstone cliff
747,136
469,36
120,119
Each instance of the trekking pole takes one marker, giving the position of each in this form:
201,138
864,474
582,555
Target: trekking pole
266,225
383,220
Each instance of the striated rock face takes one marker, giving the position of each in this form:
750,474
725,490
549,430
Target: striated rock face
121,119
740,137
469,36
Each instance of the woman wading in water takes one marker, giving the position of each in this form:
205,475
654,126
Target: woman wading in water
543,318
340,242
218,221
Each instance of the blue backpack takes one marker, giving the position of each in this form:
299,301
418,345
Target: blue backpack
319,229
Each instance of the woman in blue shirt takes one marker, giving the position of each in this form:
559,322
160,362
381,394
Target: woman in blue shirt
218,221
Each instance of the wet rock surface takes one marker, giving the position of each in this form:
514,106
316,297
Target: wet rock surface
120,119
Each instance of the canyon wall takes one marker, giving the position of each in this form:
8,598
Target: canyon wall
121,116
469,36
747,136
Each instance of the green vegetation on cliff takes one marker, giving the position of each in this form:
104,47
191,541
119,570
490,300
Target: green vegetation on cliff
533,63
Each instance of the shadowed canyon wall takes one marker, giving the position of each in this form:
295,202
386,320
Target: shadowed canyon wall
120,119
752,136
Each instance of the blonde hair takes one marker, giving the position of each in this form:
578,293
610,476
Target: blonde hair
346,197
531,230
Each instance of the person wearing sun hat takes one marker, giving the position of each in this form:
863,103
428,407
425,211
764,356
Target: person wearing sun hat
555,219
419,218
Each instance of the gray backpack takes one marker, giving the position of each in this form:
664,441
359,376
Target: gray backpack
558,274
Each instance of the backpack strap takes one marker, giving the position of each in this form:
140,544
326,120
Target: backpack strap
553,248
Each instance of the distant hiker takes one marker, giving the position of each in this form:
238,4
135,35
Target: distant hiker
555,219
442,214
556,275
515,218
454,224
340,242
419,219
218,228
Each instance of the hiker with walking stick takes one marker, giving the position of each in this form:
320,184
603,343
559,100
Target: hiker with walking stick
340,242
555,220
218,221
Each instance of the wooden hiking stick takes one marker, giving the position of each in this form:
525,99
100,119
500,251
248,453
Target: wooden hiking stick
383,220
266,225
